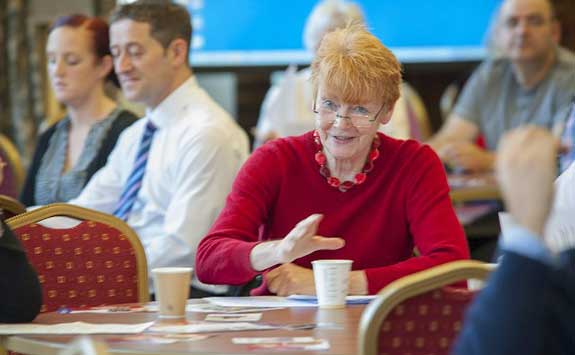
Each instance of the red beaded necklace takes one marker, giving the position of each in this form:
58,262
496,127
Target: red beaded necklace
359,178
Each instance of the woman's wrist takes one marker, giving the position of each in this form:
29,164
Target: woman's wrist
265,255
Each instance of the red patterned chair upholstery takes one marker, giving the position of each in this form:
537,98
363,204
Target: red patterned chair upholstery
11,170
419,314
96,262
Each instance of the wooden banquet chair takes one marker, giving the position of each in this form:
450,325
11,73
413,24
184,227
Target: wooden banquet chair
11,207
419,125
419,313
88,259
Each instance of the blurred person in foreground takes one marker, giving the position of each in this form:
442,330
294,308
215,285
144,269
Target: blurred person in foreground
528,305
531,82
76,147
21,296
170,172
568,141
342,191
286,109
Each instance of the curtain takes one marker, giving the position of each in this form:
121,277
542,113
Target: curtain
102,8
19,91
5,122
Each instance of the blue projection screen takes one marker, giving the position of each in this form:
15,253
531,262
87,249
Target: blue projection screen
269,32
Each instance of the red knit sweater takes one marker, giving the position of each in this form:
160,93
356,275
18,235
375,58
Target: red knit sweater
404,203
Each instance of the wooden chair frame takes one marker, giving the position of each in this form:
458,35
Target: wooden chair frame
11,205
15,161
416,103
72,211
407,287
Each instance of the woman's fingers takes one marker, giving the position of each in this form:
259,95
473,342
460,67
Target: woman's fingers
288,279
308,226
323,243
272,281
302,240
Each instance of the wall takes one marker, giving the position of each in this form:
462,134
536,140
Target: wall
251,83
565,10
429,79
44,11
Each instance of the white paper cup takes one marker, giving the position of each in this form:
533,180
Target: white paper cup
331,282
172,286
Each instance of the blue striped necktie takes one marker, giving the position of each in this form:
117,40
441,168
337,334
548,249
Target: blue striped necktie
134,182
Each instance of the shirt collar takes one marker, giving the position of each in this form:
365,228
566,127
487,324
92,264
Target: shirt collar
170,109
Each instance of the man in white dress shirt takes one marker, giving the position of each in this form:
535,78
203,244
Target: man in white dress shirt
196,148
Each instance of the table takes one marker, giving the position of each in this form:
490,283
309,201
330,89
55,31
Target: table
476,199
470,213
473,187
341,331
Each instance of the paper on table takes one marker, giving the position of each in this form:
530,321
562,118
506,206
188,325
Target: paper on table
276,301
349,299
258,301
153,307
73,328
233,317
319,344
158,338
208,327
109,309
263,340
213,308
283,343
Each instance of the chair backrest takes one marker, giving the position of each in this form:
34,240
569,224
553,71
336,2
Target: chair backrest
419,126
420,313
448,99
98,261
11,170
10,206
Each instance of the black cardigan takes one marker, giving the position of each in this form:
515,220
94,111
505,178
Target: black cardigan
21,296
124,119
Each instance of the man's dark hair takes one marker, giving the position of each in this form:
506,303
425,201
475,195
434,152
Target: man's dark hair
168,21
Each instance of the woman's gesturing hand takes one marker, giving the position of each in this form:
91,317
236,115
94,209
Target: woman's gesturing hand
300,241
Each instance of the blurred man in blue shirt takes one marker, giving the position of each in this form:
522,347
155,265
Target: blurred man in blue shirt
528,305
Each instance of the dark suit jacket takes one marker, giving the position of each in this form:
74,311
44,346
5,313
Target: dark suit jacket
527,308
20,295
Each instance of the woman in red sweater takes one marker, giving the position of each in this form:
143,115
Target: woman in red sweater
343,191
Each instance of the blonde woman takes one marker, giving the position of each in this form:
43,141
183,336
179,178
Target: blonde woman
342,191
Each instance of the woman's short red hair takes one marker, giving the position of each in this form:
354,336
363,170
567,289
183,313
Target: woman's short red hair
354,63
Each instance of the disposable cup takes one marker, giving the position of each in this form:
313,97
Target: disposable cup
172,286
331,282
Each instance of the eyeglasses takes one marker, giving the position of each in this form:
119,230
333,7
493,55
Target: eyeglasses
359,117
533,21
